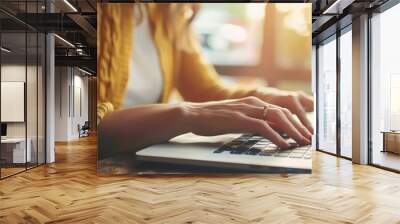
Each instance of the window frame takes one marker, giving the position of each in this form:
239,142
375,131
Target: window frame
332,37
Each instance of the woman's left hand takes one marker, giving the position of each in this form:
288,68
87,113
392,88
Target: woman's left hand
298,102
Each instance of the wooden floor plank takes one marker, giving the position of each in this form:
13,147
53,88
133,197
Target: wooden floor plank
70,191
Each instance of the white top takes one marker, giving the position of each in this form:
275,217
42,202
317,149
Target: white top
145,83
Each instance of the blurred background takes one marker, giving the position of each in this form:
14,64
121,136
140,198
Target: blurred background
258,43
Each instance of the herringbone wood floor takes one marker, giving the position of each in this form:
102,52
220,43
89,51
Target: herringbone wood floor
69,191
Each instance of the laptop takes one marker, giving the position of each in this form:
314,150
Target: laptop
230,152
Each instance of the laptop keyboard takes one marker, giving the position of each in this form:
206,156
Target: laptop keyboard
248,144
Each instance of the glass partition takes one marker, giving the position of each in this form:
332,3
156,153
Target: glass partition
31,100
385,89
14,153
41,96
22,92
346,93
326,104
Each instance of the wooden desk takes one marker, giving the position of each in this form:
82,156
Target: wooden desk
391,141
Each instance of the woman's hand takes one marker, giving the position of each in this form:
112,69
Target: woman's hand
250,115
135,128
298,102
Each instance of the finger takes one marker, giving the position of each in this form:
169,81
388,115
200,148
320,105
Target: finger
298,109
249,100
253,111
306,101
258,112
249,110
219,103
252,100
300,127
286,126
253,125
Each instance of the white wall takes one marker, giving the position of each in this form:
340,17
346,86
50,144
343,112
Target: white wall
71,102
61,103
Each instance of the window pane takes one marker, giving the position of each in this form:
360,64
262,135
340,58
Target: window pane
327,96
31,99
385,87
41,98
288,35
346,94
313,88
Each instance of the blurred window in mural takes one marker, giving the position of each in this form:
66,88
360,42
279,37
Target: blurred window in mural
231,34
293,37
273,38
288,45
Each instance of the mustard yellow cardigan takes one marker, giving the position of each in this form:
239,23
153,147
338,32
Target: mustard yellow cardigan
185,71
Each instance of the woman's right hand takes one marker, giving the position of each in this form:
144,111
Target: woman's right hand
246,115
